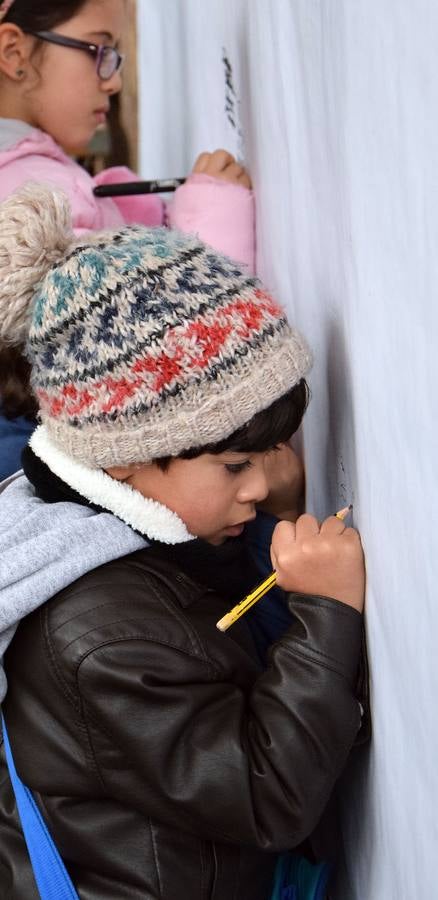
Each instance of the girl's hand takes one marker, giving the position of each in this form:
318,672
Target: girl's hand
325,560
222,164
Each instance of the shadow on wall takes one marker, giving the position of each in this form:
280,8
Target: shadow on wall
354,789
340,449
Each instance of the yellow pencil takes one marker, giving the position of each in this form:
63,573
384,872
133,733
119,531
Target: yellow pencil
260,590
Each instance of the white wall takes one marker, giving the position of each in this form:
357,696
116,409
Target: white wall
338,108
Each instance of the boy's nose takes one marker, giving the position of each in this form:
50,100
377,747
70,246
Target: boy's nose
256,487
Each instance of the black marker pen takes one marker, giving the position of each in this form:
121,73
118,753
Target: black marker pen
126,188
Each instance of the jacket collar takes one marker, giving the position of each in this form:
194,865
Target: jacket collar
228,569
148,517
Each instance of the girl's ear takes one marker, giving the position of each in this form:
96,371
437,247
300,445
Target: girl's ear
15,50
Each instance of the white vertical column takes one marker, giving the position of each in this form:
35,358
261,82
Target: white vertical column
337,107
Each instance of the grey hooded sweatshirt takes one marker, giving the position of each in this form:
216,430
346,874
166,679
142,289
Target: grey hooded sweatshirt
45,547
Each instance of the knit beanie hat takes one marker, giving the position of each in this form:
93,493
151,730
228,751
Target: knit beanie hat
143,342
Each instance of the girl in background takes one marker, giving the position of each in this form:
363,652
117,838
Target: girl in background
59,67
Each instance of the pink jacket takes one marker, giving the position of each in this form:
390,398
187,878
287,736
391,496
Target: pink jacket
222,214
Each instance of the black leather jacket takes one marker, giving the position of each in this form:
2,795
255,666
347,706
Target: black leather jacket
166,763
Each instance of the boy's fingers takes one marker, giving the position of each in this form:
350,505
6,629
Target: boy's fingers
307,525
284,533
352,534
283,536
332,525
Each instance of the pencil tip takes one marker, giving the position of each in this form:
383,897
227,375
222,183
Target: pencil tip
342,513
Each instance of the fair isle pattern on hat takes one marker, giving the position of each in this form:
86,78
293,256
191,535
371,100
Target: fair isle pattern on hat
4,8
145,343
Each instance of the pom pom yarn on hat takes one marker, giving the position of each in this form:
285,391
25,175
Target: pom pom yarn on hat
145,343
35,232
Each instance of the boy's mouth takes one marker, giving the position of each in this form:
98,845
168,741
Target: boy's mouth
235,530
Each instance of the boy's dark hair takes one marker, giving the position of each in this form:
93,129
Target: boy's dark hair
16,398
268,428
32,16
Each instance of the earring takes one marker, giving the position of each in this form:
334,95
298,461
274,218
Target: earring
20,72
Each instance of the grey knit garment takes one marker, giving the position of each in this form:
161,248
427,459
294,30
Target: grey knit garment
45,547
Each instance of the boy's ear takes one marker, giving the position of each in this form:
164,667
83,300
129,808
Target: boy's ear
15,50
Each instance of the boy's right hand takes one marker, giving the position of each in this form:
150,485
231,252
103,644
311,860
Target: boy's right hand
323,559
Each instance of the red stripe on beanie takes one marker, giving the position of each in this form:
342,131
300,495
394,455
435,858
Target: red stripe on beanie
205,341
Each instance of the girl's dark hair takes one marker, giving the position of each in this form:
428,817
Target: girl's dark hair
268,428
16,398
32,16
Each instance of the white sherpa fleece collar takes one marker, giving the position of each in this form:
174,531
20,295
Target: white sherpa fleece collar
149,517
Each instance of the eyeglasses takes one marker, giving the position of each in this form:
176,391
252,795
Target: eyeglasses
108,59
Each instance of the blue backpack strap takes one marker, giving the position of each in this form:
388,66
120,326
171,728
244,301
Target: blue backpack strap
52,879
298,879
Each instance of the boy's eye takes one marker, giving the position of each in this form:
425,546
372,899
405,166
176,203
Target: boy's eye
236,468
